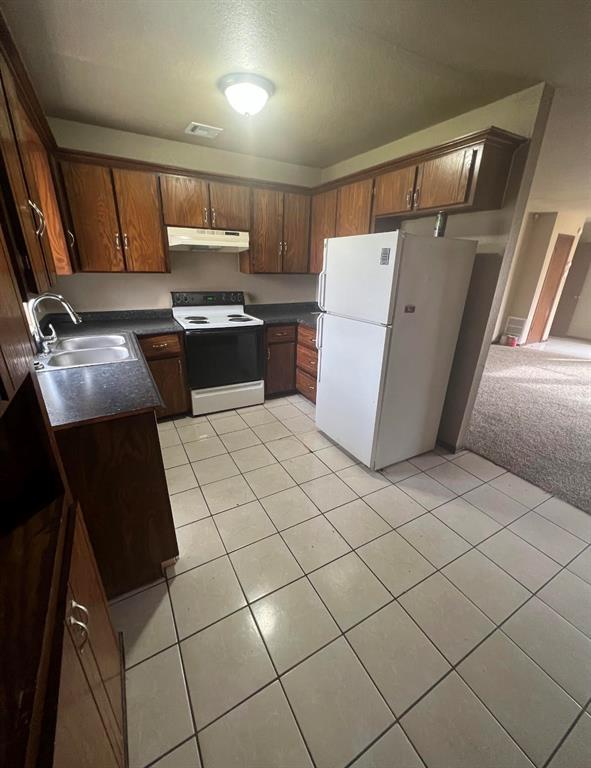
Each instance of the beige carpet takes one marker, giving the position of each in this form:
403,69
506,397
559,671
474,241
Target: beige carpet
533,416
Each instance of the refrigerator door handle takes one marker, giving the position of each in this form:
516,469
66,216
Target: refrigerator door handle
319,327
321,289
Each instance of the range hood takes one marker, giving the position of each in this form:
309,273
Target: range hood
193,239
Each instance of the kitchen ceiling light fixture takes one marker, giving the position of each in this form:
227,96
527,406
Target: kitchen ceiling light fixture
246,93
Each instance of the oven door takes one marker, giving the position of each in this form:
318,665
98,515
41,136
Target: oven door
225,356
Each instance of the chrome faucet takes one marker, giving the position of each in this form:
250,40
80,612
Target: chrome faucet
42,340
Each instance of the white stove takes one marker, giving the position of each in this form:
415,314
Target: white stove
224,349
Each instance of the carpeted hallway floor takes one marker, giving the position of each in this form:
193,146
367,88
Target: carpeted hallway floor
533,416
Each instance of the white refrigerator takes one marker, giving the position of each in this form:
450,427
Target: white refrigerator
391,305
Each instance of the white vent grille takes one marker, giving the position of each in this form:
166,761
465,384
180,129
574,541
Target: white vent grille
203,131
514,326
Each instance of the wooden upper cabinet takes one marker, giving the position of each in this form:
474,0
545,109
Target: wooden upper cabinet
266,234
89,190
229,206
354,208
185,201
445,180
322,225
140,216
394,191
296,232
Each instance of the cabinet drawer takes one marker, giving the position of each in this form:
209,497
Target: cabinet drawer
281,333
307,359
168,345
306,385
307,336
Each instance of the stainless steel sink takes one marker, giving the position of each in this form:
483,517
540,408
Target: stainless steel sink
81,351
89,342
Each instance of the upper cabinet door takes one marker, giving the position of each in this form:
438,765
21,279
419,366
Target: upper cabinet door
296,232
267,230
89,190
322,225
394,191
185,201
354,208
444,180
229,206
140,216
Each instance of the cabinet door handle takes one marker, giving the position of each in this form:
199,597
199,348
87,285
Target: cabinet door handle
125,241
78,606
117,241
268,353
83,628
205,218
213,217
280,248
409,199
416,197
71,238
39,225
285,247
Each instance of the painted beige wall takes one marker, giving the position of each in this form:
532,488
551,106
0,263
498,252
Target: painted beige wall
580,325
108,141
516,113
189,272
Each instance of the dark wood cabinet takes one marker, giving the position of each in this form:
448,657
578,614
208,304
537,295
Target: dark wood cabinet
138,203
116,217
279,238
229,206
444,181
89,191
354,208
266,235
394,191
306,362
296,232
323,222
280,366
192,202
166,360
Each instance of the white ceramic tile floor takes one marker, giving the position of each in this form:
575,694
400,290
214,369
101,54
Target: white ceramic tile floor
324,615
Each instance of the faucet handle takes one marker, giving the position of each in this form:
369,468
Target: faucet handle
51,337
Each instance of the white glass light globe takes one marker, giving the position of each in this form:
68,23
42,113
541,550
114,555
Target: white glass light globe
246,93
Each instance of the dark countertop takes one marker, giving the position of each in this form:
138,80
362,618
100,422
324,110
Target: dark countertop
142,322
305,313
96,392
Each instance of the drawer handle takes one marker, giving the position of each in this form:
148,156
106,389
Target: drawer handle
163,345
78,606
280,333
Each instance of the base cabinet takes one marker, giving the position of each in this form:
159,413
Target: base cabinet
280,364
166,360
306,362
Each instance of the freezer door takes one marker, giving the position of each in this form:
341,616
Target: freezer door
349,380
358,277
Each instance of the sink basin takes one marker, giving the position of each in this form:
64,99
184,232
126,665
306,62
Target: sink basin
89,342
88,357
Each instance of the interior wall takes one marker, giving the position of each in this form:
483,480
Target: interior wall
189,272
580,325
516,113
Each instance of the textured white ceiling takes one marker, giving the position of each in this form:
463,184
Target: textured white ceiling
350,74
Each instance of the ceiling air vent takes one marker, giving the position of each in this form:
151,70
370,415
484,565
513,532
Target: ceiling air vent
203,131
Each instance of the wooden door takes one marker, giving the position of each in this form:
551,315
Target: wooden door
35,276
558,263
280,372
394,191
87,589
229,206
296,232
323,221
140,216
170,380
89,190
445,180
81,740
185,201
571,293
267,230
354,208
16,349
